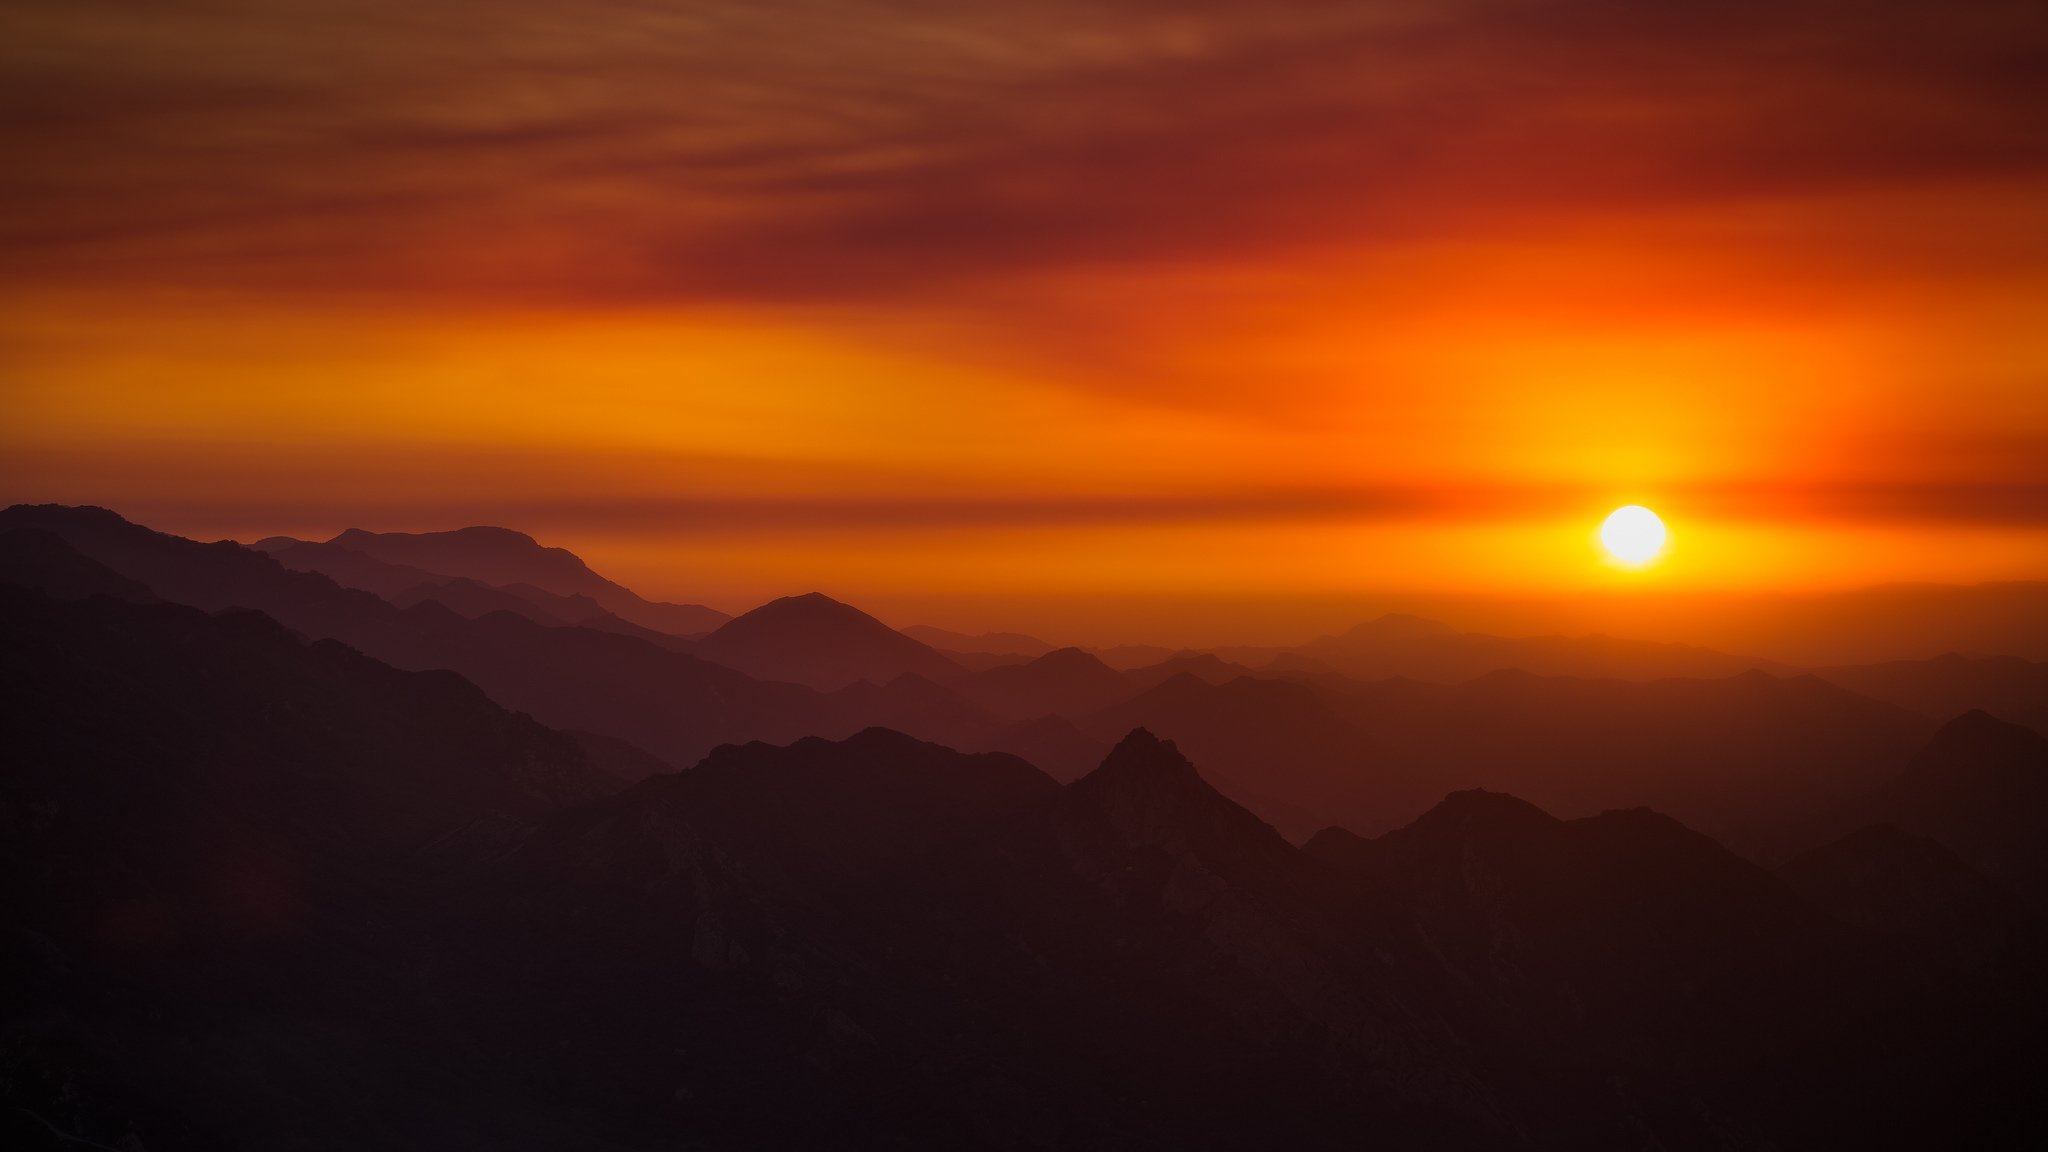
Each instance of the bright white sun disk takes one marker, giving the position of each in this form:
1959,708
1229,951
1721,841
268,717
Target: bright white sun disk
1632,535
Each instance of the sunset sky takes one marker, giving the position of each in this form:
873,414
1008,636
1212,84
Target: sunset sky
1011,315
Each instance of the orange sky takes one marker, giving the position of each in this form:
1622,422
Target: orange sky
1002,317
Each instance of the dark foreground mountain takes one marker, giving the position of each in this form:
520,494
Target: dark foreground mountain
219,847
1980,787
267,893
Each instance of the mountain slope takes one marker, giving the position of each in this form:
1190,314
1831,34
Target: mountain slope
1980,787
674,705
221,844
501,557
817,641
1066,682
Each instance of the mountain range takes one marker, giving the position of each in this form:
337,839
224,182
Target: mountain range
290,863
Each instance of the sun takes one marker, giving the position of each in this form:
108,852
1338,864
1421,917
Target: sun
1633,535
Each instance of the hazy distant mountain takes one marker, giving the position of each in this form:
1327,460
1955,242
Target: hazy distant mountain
1426,650
675,706
1124,657
501,557
918,706
990,643
1281,741
348,567
473,599
1065,682
2007,687
1742,756
815,640
1204,666
1053,744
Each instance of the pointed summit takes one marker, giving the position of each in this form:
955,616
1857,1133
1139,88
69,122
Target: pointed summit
815,640
1150,795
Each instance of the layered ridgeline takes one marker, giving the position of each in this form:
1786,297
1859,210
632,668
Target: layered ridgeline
1758,758
554,579
264,891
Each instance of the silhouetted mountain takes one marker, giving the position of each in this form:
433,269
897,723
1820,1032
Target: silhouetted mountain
987,643
915,705
1124,657
501,557
1746,757
815,640
1891,881
466,597
1278,741
818,817
1426,650
1204,666
1980,787
1066,682
1052,744
348,567
31,558
2007,687
469,598
218,844
674,705
1597,940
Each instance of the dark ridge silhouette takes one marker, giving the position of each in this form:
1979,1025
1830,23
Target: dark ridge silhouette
1889,880
873,941
1426,650
221,847
1124,657
1052,743
817,817
466,597
1204,666
671,704
469,598
985,644
1747,757
1064,682
406,585
348,567
913,704
2007,687
817,641
502,557
1980,787
30,558
1608,935
1283,740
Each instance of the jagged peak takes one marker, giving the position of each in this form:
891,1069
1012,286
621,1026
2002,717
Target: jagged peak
1140,770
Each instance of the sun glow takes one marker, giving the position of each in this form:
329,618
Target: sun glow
1633,535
